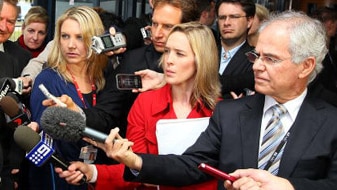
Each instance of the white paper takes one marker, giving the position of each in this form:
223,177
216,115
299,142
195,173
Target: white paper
174,136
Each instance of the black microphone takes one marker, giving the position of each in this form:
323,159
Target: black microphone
16,113
39,148
7,85
64,124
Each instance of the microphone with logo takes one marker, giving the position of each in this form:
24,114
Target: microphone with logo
16,113
64,124
7,85
39,148
10,85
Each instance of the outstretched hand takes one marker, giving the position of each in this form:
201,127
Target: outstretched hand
150,80
251,179
112,31
118,149
65,99
76,172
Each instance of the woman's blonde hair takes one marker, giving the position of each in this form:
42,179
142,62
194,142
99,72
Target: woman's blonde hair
90,25
207,85
36,14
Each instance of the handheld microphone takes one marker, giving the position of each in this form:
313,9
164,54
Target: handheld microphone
15,115
64,124
39,147
7,86
10,85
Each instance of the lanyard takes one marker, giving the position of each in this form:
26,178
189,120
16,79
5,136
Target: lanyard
79,93
277,151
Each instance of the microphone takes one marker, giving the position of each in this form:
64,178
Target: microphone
15,114
40,148
64,124
9,84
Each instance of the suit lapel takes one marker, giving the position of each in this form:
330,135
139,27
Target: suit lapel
152,58
305,127
236,63
250,122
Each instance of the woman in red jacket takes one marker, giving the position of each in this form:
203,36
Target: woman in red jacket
190,64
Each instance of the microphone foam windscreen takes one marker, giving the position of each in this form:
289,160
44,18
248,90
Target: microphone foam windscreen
9,106
15,97
62,123
26,138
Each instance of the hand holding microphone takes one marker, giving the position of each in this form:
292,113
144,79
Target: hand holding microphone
39,148
64,124
9,85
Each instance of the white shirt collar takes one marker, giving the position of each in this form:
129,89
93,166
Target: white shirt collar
293,106
2,47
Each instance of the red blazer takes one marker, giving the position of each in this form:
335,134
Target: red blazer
147,109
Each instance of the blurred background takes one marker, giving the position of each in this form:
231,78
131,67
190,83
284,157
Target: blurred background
135,8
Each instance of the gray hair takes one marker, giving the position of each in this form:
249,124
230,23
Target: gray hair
307,37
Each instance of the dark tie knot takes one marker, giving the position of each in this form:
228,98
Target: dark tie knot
279,110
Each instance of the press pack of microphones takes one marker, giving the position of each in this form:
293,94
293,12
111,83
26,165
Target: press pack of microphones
57,122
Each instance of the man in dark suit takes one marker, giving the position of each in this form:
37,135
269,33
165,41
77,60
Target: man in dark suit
234,20
305,157
8,17
13,59
9,152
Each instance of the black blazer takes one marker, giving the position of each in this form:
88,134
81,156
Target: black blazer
9,67
10,154
138,59
328,76
21,55
134,60
231,141
238,73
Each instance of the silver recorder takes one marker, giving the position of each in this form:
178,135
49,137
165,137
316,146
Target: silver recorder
145,33
107,42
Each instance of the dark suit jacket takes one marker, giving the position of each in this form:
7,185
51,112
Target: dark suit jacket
10,154
231,141
238,73
328,76
21,55
138,59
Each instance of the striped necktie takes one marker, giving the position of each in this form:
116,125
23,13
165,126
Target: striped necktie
272,138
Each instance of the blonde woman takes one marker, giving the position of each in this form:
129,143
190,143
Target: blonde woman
72,69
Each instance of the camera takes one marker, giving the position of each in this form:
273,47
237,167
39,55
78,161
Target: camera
145,33
107,42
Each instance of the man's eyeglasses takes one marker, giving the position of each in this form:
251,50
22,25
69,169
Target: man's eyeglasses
253,56
230,17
